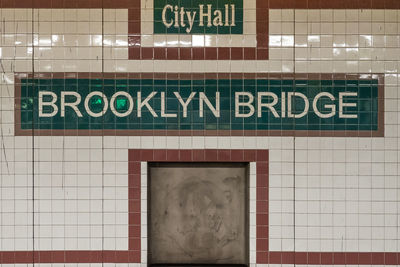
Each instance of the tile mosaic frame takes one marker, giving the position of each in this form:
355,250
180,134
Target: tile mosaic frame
271,257
132,255
106,132
139,157
263,255
136,52
260,52
136,158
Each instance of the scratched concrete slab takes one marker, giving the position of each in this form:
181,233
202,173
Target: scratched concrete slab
198,214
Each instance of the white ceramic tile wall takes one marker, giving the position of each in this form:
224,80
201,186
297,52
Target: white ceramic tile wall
346,190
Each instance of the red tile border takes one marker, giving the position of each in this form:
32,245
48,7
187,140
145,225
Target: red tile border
30,257
263,255
260,52
132,255
273,4
332,258
261,157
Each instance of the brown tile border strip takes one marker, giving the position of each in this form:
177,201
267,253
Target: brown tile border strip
261,157
263,255
272,4
136,52
135,157
69,256
260,52
381,103
333,258
334,4
67,4
132,255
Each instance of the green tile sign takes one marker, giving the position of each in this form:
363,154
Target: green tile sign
198,17
284,105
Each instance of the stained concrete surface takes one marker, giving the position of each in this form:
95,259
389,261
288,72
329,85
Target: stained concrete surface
198,214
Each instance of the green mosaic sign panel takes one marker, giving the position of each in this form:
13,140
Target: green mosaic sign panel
198,17
207,104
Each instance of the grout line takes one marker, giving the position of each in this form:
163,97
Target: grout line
33,140
294,142
102,138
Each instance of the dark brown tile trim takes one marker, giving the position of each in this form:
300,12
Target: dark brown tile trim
263,255
334,4
381,99
17,107
135,157
332,258
260,156
271,4
67,4
132,255
260,52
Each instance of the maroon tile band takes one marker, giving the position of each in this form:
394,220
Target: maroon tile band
260,52
277,4
261,157
132,255
135,157
264,256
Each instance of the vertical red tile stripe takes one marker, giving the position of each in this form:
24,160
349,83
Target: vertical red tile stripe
262,215
134,220
213,155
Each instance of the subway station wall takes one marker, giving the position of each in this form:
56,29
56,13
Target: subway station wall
305,91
